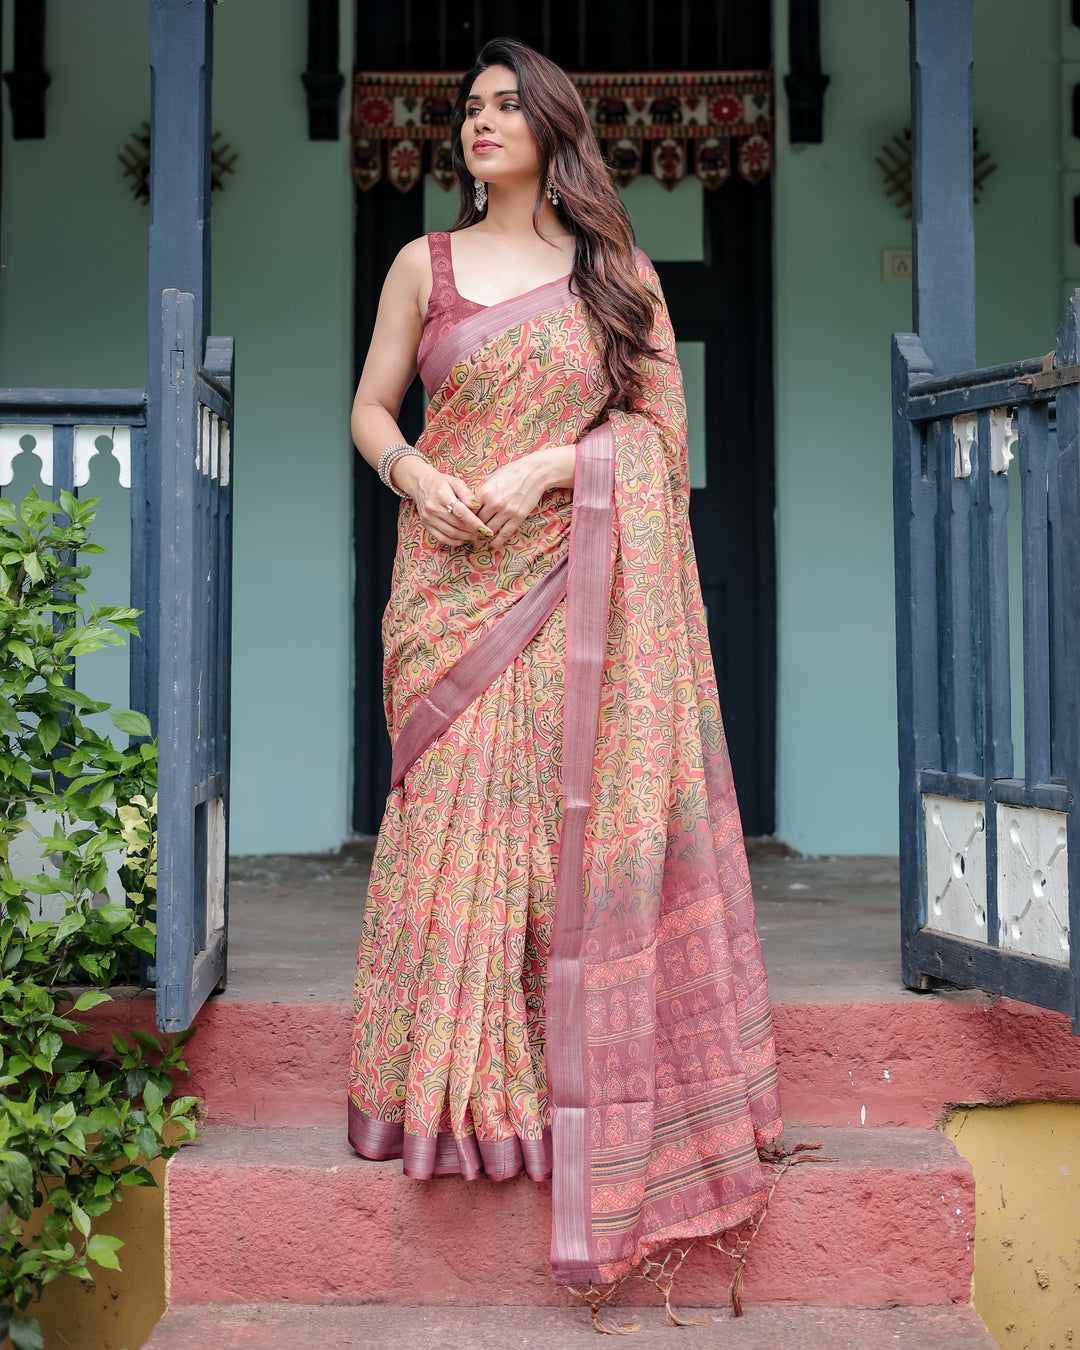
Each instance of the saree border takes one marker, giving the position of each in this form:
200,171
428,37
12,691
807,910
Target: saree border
474,672
588,601
424,1157
492,321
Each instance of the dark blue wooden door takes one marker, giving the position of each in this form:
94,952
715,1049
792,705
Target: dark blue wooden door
989,823
195,515
182,546
722,301
990,842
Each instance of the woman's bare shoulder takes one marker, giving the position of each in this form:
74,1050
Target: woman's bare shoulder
409,277
413,262
416,251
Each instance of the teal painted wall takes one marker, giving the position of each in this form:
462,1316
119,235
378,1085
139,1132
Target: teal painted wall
283,286
834,315
73,312
73,303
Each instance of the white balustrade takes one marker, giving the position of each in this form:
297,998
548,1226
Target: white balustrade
89,443
19,436
93,444
965,429
1003,437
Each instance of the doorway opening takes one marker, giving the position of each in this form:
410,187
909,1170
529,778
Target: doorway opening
712,250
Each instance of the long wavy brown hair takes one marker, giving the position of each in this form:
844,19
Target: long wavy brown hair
604,274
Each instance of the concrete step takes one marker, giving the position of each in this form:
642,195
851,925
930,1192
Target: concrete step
897,1063
765,1327
292,1215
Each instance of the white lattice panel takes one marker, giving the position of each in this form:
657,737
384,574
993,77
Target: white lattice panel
955,866
202,451
215,864
1033,882
225,464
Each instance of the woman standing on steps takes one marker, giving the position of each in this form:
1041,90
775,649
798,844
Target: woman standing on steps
559,969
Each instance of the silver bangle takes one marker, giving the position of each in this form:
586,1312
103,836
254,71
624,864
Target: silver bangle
389,458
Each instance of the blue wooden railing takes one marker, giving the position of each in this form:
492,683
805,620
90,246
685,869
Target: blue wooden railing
50,423
181,558
990,883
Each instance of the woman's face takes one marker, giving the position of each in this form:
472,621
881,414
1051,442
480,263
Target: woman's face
495,137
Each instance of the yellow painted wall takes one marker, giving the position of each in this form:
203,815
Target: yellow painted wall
1026,1159
118,1309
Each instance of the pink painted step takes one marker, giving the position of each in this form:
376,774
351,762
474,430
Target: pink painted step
765,1327
292,1215
902,1063
907,1063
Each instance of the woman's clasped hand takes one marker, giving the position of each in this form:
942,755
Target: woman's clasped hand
489,513
443,502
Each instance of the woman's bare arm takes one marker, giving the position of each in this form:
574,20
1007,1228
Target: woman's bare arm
389,369
391,359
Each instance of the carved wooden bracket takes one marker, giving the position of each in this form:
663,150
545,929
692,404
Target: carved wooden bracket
135,157
28,79
805,84
895,164
323,79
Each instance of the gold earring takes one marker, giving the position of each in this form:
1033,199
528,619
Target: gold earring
551,191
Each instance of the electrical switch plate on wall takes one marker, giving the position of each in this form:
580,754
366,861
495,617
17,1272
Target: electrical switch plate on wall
896,264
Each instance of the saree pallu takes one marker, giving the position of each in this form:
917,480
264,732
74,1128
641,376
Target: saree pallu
559,968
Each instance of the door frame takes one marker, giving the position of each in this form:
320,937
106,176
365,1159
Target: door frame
385,220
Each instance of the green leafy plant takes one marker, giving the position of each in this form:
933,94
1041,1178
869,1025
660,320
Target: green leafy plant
76,1125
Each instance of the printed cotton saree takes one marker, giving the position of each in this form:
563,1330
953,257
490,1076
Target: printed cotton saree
559,969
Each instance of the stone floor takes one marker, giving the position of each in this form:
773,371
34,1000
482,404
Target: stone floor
829,927
777,1327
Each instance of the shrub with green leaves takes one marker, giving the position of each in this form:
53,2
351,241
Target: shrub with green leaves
76,1125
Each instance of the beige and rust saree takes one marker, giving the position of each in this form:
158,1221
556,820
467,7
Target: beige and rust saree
559,969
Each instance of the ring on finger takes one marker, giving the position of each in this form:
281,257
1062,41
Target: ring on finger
450,507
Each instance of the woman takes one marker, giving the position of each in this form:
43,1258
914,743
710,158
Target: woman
559,968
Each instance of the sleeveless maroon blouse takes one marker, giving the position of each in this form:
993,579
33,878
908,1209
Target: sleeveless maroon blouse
446,306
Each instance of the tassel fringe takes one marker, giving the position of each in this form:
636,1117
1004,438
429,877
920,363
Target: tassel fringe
662,1273
779,1160
598,1298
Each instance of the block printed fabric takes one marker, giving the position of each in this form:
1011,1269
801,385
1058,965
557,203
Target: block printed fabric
652,121
559,968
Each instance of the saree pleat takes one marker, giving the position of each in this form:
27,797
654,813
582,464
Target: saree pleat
450,985
559,968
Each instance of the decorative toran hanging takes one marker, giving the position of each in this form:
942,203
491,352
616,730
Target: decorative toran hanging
666,125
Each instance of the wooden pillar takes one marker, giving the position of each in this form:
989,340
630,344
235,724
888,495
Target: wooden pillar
805,84
943,220
181,47
28,79
323,80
